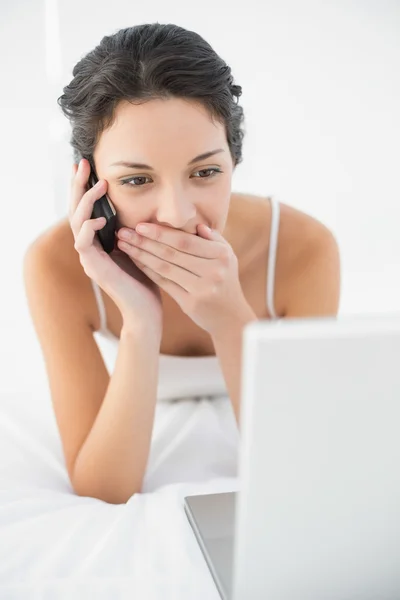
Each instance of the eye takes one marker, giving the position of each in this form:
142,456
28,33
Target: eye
142,177
216,171
124,181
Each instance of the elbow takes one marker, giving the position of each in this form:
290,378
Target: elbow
109,495
110,492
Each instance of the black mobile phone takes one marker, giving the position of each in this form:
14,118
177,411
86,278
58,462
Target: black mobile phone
103,207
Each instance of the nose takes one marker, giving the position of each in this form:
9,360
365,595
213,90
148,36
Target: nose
175,211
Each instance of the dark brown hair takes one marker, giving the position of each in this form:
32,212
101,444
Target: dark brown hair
145,62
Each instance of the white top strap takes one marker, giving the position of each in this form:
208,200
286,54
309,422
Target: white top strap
273,242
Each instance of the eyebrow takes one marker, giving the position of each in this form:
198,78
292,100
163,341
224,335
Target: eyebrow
132,165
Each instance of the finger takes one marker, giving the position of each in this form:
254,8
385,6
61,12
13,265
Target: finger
150,250
85,207
187,279
73,174
78,184
178,293
84,239
183,241
210,234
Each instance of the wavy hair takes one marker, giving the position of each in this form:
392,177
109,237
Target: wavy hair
144,62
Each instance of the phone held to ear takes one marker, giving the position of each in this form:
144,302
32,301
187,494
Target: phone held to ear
103,207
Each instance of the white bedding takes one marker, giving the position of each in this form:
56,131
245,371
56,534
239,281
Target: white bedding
54,544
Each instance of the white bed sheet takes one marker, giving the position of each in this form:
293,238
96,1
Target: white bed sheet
55,544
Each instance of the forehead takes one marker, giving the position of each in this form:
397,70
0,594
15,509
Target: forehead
159,126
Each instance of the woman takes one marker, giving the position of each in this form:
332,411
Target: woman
155,110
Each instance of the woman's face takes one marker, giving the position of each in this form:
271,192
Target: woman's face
173,189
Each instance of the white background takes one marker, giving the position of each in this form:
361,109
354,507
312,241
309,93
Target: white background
321,95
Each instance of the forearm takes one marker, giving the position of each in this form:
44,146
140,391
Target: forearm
113,458
228,347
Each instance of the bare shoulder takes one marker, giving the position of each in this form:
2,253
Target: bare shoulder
57,244
58,239
300,235
307,268
309,264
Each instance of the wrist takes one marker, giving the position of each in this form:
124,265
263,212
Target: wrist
139,328
233,325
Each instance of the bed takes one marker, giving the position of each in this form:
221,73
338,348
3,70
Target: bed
55,544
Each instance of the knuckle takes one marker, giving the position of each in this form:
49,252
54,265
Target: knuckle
164,268
184,244
169,253
79,244
218,275
158,236
225,254
87,271
88,224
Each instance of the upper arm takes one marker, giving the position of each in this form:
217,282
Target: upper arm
314,283
77,376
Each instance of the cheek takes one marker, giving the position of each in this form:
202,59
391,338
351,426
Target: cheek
215,212
130,218
220,194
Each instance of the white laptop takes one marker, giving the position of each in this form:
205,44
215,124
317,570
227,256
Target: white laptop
317,516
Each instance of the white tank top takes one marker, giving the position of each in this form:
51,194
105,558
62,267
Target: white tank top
188,376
